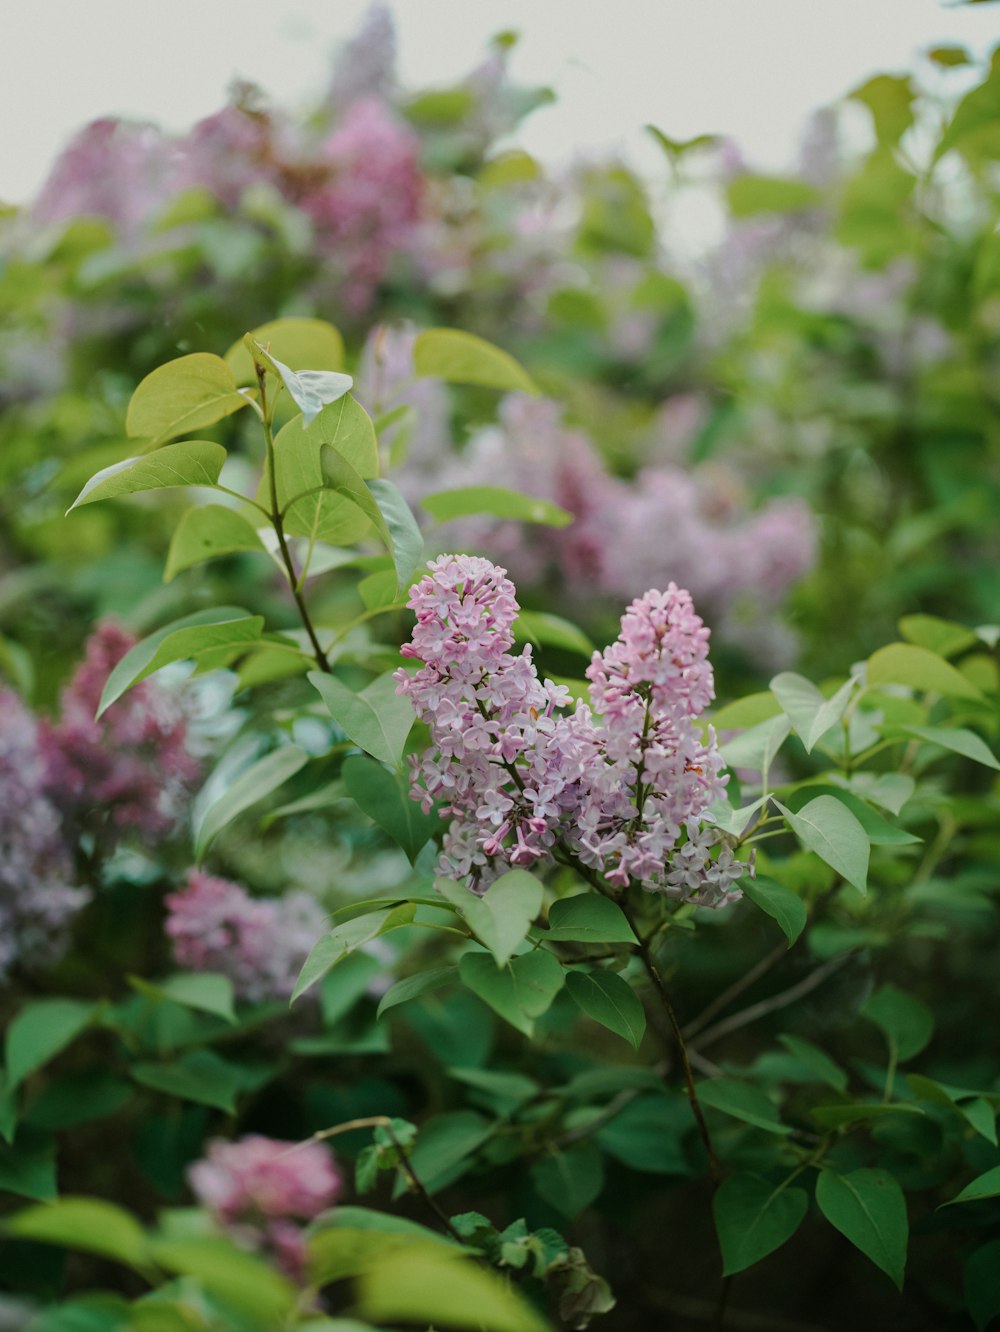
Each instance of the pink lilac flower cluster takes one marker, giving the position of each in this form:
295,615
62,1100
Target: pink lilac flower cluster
259,943
38,896
260,1190
622,786
131,769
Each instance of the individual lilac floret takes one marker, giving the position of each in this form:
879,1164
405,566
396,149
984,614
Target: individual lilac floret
261,1190
131,770
259,943
38,898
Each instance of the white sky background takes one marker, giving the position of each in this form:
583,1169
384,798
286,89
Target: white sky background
751,69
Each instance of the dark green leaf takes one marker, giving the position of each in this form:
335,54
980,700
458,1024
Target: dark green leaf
986,1185
982,1284
411,987
908,1023
28,1168
570,1180
203,990
39,1032
200,1076
521,991
869,1208
816,1061
346,938
609,1000
588,918
779,902
743,1101
385,797
444,1143
753,1218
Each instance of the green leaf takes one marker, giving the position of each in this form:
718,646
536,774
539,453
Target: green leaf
982,1284
757,747
551,631
907,1023
743,1101
407,542
241,1279
570,1180
986,1185
28,1168
181,396
206,532
83,1223
498,502
749,195
422,1285
251,786
377,719
746,712
889,98
311,510
39,1032
521,991
816,1061
411,987
588,918
779,902
827,827
340,1251
957,740
196,462
649,1133
976,1111
807,709
206,991
919,668
944,637
869,1208
8,1109
977,113
223,629
753,1218
385,797
341,477
444,1143
838,1116
310,390
501,918
200,1076
609,1000
879,831
463,358
346,938
300,342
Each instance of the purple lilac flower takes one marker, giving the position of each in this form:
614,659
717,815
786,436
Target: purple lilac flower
259,943
38,898
365,200
113,169
624,787
366,64
131,769
229,151
261,1190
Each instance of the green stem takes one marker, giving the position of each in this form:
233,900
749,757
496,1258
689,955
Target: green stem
278,523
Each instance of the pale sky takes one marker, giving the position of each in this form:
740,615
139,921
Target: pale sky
752,69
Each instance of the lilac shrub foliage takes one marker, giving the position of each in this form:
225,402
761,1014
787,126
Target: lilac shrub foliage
259,943
621,786
261,1190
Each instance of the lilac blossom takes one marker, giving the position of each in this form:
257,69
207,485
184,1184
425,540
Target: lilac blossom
38,896
366,64
261,1189
230,151
113,169
365,201
131,769
259,943
622,786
